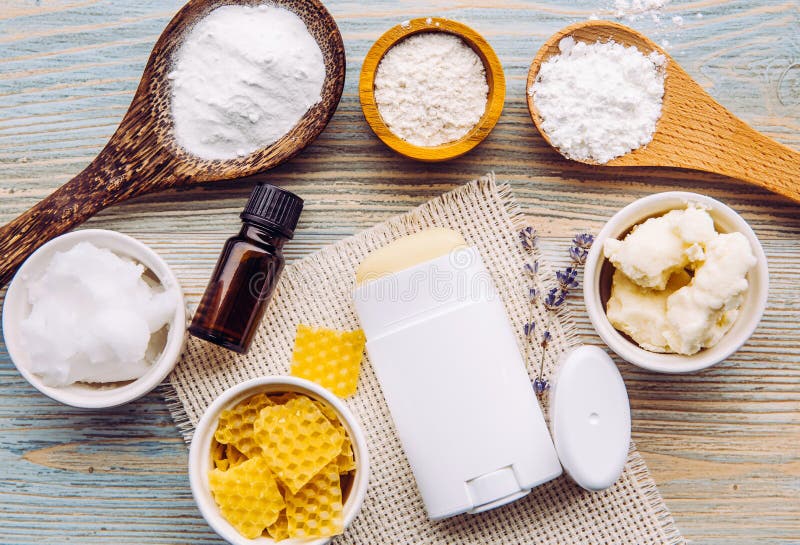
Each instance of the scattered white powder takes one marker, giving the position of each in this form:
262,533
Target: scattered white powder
93,318
599,101
431,89
243,78
634,9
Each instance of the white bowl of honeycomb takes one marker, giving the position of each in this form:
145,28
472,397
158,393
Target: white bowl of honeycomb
278,460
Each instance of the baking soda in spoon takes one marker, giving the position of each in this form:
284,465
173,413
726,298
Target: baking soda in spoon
242,78
599,101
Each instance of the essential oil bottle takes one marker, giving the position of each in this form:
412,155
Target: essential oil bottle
248,269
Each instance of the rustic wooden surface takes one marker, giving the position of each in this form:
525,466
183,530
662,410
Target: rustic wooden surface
723,445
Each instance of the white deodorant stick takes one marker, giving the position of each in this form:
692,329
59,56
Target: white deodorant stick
445,354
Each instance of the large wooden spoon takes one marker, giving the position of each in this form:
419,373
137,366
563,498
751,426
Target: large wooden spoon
142,155
694,131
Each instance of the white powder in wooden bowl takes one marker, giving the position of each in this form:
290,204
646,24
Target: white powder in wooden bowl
599,101
431,89
243,77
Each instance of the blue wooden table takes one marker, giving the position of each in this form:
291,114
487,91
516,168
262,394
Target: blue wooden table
724,445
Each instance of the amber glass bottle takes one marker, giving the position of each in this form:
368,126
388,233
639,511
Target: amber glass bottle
248,269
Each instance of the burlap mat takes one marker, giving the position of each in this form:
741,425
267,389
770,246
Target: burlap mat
317,291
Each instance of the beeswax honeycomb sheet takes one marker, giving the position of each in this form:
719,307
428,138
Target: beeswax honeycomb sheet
317,291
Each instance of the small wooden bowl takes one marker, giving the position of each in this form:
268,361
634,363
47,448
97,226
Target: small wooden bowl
494,77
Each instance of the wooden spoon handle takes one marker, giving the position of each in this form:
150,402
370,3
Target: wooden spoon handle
700,133
741,152
104,182
762,161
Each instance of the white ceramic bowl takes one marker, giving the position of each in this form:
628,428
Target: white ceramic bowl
726,221
200,453
16,308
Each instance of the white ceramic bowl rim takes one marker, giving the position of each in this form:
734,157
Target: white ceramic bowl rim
82,395
200,453
726,220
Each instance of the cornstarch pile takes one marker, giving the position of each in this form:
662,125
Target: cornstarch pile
599,101
431,89
243,78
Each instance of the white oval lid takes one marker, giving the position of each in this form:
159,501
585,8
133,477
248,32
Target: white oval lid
590,418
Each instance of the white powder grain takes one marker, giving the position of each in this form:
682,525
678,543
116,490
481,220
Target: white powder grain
431,89
243,77
633,9
599,101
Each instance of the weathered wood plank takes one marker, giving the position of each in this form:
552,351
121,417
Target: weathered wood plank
723,445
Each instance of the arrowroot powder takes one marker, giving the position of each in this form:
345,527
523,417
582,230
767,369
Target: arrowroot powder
243,77
431,89
599,101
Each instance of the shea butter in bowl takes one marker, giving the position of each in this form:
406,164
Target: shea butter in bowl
278,459
683,289
431,89
94,319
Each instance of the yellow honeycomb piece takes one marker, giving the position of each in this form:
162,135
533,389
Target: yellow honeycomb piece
316,509
327,410
346,459
297,440
248,496
279,530
218,455
236,425
233,456
330,358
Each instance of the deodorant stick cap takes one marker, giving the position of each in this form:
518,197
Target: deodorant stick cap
590,418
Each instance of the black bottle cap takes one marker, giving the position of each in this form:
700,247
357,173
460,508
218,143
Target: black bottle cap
274,208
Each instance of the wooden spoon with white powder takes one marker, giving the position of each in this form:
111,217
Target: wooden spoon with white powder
694,131
143,155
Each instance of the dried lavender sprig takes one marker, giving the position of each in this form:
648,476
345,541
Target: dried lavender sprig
554,299
527,237
528,240
578,255
583,240
540,384
531,270
579,250
528,328
567,279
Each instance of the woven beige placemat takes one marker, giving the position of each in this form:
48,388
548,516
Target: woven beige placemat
317,291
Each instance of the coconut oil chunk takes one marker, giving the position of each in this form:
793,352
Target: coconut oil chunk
94,318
